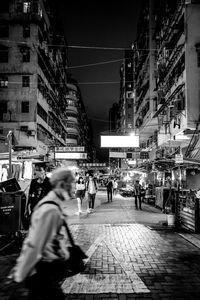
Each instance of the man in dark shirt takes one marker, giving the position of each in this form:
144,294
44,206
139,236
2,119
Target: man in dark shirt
137,192
109,187
40,187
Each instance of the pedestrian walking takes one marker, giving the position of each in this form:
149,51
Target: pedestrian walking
45,240
91,188
115,186
109,187
39,187
137,194
80,193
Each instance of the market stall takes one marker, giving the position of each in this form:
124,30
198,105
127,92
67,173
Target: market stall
165,196
187,206
187,212
164,192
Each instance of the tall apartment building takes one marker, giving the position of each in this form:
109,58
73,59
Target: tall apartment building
114,123
167,97
145,80
126,103
79,131
35,99
32,75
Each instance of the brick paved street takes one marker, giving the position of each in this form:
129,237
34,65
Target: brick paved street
131,255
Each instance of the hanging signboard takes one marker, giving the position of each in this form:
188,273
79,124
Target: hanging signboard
70,155
70,149
178,158
119,141
92,164
117,154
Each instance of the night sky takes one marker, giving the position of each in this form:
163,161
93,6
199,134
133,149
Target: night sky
98,24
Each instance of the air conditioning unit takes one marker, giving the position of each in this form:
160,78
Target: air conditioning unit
129,95
31,132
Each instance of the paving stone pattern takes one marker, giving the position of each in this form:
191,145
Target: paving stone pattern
126,258
167,265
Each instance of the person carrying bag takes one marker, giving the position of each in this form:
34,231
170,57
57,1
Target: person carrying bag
49,253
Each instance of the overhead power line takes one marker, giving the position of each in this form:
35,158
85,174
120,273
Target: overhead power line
96,64
97,47
100,82
87,47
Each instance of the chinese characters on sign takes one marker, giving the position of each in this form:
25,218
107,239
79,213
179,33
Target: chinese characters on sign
70,149
92,164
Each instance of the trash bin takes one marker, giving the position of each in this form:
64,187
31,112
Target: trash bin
171,220
10,211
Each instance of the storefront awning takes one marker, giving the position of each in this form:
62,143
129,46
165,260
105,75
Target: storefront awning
195,154
191,161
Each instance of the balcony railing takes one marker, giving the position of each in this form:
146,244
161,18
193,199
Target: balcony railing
167,68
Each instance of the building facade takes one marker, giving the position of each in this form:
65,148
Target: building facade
79,131
37,103
167,75
126,102
114,123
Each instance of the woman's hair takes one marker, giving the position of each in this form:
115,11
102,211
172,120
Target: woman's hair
62,174
79,180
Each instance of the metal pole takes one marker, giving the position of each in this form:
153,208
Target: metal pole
54,155
9,136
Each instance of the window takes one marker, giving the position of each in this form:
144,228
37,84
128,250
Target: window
3,54
4,106
71,114
3,110
19,7
25,54
71,136
25,81
41,112
25,107
26,31
4,30
26,7
198,58
71,103
4,7
3,81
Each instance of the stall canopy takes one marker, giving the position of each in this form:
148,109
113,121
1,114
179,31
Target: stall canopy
195,153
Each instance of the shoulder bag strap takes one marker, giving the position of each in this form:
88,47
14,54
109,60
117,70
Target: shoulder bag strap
64,222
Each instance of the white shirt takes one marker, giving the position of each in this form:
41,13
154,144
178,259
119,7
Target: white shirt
80,186
91,187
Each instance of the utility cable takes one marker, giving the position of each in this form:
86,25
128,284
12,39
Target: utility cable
98,63
97,48
88,47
